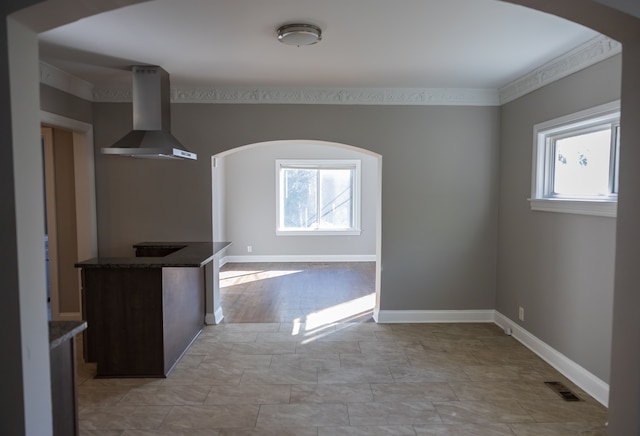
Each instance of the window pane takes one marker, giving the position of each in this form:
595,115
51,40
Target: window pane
581,166
300,202
336,198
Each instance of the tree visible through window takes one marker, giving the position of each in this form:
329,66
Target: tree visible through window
318,195
583,164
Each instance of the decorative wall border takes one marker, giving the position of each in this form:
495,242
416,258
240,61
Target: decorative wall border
111,94
339,96
583,56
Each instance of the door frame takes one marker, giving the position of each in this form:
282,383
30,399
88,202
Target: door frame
85,196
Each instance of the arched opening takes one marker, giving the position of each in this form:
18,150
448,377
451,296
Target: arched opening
244,204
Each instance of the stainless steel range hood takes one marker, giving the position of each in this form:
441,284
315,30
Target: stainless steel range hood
151,136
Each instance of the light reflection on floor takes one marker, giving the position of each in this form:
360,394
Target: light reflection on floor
232,278
340,313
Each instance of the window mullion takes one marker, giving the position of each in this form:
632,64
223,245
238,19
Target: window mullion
550,167
612,153
318,198
614,159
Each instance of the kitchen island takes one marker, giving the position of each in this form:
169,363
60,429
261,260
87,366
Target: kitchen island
143,312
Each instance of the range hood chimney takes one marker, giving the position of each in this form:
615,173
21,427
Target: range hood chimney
151,136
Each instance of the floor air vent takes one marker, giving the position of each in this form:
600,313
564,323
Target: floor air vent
562,390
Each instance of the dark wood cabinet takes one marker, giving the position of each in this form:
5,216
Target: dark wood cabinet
143,312
62,360
63,389
141,320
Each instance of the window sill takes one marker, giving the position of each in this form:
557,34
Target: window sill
578,207
318,232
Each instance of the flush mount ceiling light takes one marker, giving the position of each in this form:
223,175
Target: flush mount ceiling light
299,34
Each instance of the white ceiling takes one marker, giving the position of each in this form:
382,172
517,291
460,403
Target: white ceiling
366,43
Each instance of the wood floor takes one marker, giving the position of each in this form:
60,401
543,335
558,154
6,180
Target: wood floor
297,292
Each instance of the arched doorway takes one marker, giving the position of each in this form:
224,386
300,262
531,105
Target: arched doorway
244,188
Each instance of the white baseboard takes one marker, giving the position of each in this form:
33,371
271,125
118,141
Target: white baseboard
302,258
587,381
591,384
214,318
426,316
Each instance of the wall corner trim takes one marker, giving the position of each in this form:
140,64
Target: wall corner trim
587,381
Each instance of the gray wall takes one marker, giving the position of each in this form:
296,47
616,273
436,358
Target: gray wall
439,187
559,267
250,195
64,104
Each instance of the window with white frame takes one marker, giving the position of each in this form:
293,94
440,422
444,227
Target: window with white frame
575,162
318,197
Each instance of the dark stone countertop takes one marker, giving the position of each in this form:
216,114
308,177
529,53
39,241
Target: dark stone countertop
187,254
60,331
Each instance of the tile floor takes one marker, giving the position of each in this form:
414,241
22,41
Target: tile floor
342,379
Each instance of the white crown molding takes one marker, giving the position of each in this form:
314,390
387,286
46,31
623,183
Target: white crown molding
63,81
339,96
581,57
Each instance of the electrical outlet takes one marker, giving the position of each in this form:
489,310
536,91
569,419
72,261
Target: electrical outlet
521,313
249,248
